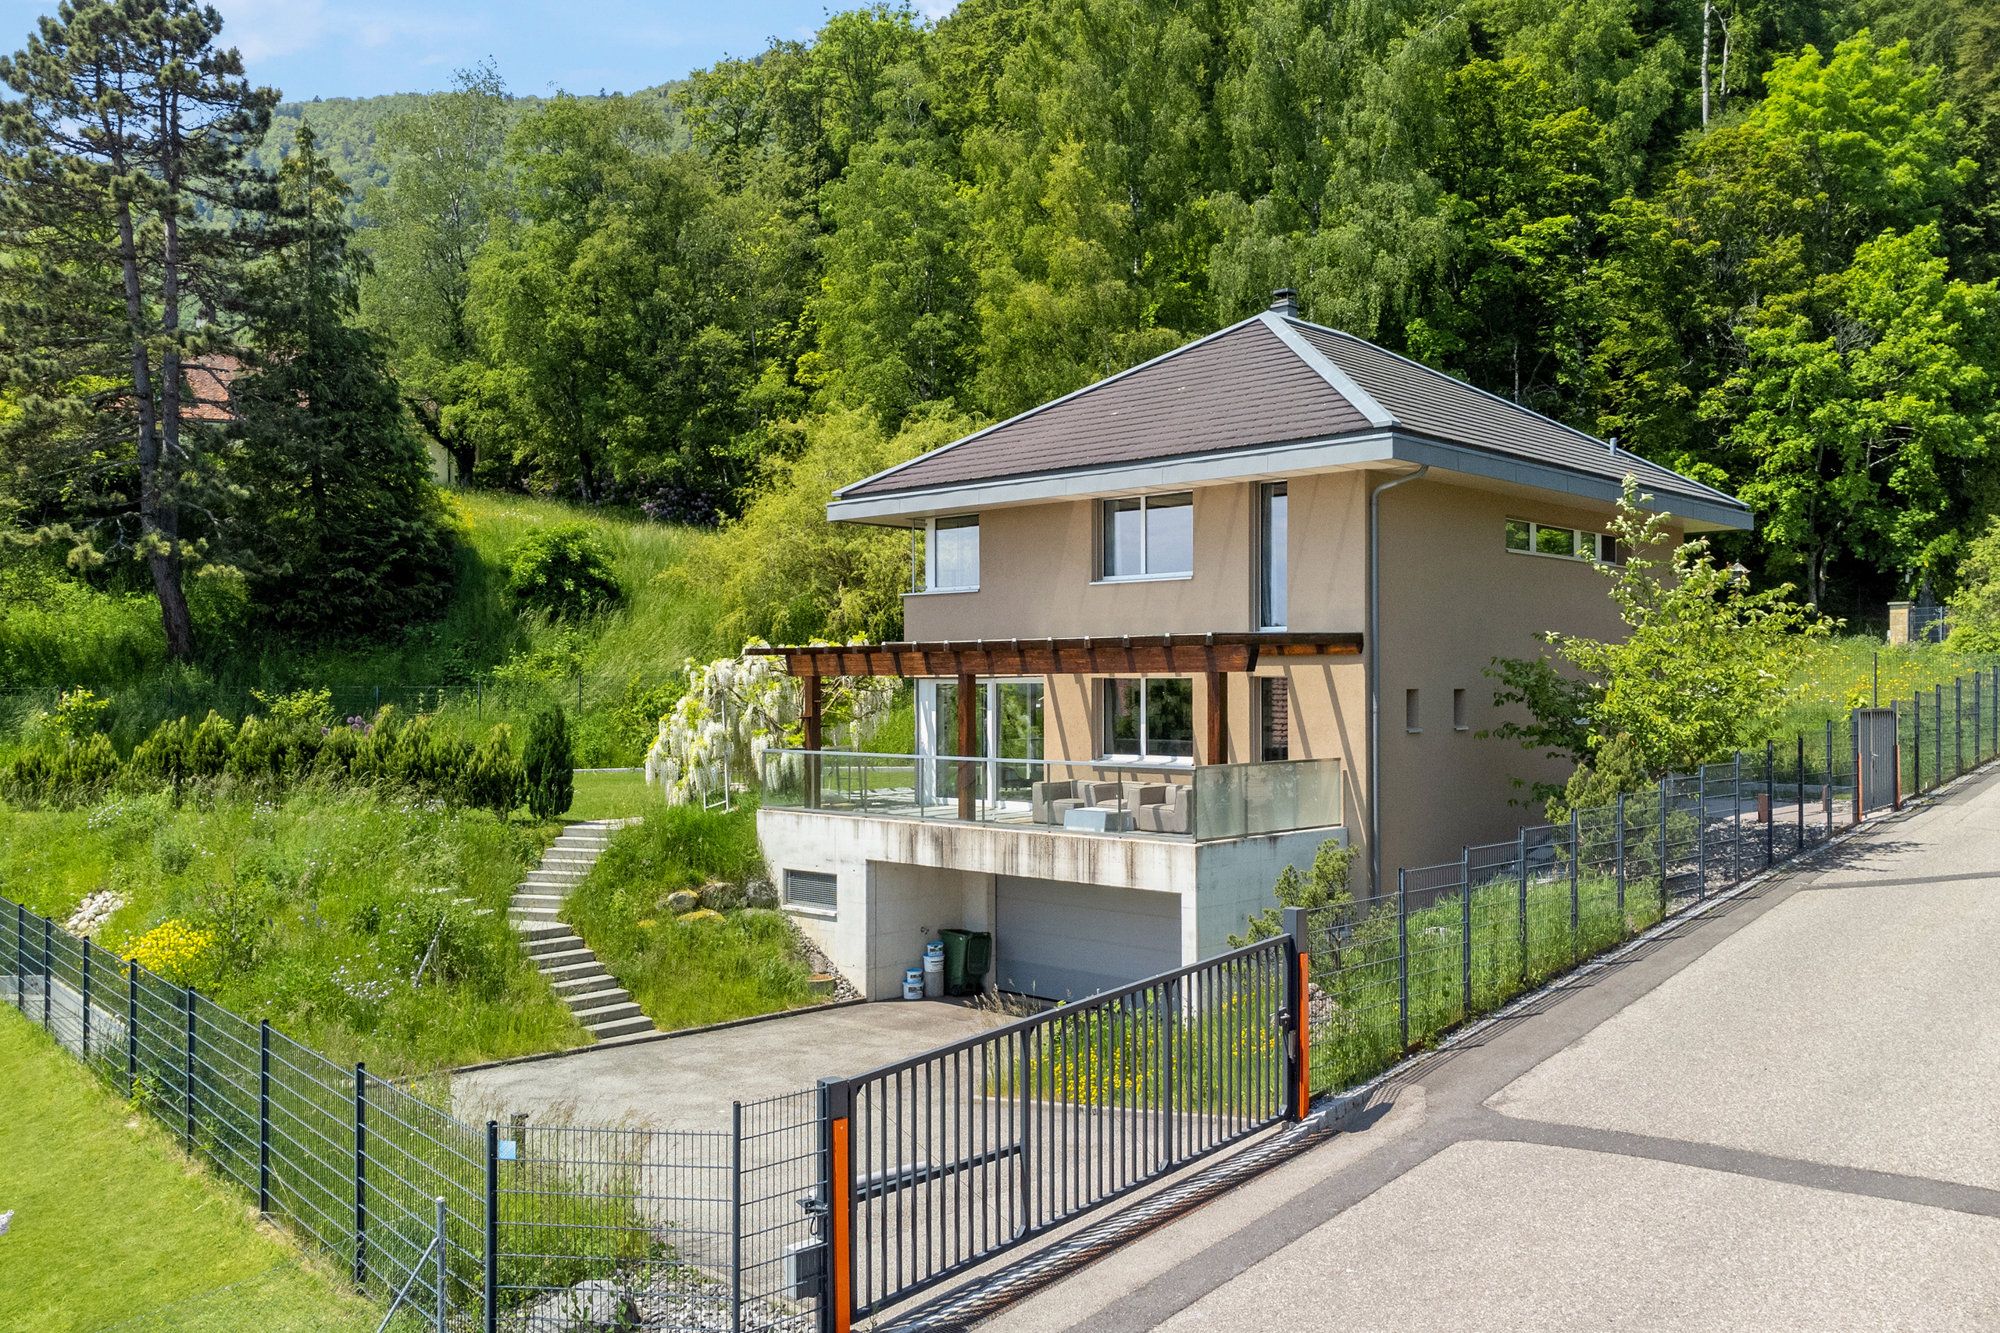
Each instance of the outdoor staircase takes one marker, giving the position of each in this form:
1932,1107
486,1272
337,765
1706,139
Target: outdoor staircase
603,1006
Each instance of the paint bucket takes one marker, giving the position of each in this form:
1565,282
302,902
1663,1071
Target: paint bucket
934,969
913,983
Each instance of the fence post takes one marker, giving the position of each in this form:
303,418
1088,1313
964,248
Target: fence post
1770,804
1957,725
1298,1003
1701,831
1828,787
131,1030
836,1104
441,1279
1465,932
1521,868
1736,816
48,970
736,1217
1621,862
1937,721
21,958
360,1174
1978,731
264,1115
187,1074
1896,754
1403,956
86,1001
489,1253
1575,866
1917,743
1801,771
1666,781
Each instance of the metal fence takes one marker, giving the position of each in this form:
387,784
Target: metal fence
942,1161
521,1227
816,1208
1456,940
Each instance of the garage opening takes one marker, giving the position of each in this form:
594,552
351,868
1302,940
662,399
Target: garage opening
1062,941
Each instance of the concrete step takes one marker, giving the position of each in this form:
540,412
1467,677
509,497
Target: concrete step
624,1027
589,968
525,899
569,983
543,943
609,1013
592,1001
558,856
576,953
530,915
546,933
564,876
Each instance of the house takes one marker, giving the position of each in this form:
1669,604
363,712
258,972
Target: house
1173,631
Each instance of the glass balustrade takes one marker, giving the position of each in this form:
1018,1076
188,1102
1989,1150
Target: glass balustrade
1157,800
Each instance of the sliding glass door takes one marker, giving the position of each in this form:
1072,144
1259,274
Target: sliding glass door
1007,725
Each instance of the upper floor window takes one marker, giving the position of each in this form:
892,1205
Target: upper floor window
1563,543
951,554
1271,611
1149,536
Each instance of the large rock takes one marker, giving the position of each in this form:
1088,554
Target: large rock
680,902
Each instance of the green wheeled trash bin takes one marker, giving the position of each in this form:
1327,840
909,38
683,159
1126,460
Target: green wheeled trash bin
967,955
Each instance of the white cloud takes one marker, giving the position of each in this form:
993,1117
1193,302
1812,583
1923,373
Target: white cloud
935,9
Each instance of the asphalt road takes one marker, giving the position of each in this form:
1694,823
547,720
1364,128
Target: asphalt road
1784,1114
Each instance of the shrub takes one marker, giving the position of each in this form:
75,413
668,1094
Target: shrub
548,765
493,777
161,760
564,571
67,776
208,747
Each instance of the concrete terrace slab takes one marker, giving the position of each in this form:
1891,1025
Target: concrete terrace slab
1857,1024
688,1082
1615,1242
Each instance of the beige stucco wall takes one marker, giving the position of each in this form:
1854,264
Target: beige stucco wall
1453,598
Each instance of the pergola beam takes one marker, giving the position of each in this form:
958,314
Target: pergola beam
1162,654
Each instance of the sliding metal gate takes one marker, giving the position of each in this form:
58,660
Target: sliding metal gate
940,1162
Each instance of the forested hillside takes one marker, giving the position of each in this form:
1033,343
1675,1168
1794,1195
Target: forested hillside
1754,241
1757,241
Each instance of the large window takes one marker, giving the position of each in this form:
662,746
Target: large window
1563,543
1150,536
951,554
1149,718
1277,503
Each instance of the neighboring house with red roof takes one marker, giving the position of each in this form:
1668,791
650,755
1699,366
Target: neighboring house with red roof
1175,630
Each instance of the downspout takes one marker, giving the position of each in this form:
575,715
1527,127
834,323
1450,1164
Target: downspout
1375,676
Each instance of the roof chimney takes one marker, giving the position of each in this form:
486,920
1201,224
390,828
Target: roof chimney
1285,301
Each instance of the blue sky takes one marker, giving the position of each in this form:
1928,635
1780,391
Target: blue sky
355,48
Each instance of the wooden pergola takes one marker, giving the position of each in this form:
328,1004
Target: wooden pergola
1214,657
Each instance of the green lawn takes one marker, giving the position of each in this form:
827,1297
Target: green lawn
618,795
114,1229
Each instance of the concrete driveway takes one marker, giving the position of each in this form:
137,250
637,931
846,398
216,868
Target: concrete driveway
689,1082
1782,1115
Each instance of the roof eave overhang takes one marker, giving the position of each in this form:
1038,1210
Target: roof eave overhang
908,508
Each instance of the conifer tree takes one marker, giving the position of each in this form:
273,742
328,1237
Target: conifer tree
342,530
128,208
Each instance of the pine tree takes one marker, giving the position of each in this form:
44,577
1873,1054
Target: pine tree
129,205
343,532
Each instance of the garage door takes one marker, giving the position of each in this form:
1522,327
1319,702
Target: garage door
1062,941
